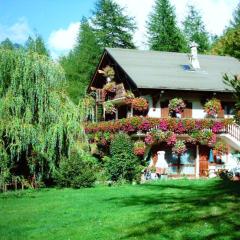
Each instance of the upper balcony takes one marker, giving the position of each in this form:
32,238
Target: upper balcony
118,96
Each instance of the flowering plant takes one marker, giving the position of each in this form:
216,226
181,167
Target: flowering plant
212,107
149,139
110,87
134,124
176,105
172,139
179,147
139,148
221,148
108,72
109,107
140,104
129,97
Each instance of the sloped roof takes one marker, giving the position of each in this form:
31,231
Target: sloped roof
165,70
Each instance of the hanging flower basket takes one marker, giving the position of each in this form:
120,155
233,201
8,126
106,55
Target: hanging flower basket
176,105
221,148
179,147
108,72
109,107
110,87
139,148
140,104
212,107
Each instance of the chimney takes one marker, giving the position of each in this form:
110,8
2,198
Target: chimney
194,56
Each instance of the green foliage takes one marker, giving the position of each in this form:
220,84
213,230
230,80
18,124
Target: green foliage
123,163
39,124
113,28
81,62
163,32
194,29
36,45
7,44
77,171
228,44
234,82
236,17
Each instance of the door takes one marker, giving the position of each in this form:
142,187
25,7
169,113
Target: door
204,157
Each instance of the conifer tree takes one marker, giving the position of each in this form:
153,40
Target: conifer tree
236,17
163,32
36,45
194,29
7,44
81,62
113,28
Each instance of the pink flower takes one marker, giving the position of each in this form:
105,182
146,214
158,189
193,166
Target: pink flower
149,139
163,124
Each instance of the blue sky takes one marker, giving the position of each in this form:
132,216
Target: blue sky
58,20
44,15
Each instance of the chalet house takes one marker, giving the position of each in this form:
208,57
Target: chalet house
160,77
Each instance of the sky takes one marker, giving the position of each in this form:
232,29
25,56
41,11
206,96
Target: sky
58,21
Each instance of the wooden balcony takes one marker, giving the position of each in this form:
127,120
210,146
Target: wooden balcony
120,94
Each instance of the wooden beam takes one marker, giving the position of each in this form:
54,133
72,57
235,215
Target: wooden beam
197,166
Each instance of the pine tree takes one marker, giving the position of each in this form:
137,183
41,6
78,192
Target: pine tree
163,32
236,17
194,29
7,44
36,45
81,62
113,28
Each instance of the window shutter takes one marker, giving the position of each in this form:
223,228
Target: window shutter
164,109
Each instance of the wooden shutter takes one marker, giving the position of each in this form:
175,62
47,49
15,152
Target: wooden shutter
187,113
164,109
221,113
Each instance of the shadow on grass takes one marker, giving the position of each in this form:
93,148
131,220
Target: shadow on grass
186,210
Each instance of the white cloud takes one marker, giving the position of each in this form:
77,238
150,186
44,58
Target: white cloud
18,32
61,41
216,14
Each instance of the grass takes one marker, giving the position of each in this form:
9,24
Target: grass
174,209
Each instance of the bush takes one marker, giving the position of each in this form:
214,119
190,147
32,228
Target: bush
76,171
123,164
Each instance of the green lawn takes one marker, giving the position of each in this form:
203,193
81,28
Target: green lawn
174,209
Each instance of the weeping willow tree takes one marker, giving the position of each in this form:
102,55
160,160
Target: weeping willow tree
38,123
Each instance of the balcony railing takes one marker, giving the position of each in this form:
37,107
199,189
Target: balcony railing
234,131
102,97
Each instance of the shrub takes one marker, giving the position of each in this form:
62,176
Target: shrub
123,164
76,171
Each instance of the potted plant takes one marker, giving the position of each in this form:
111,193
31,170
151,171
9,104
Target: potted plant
140,104
139,148
108,72
179,147
220,148
110,87
109,107
176,106
212,107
